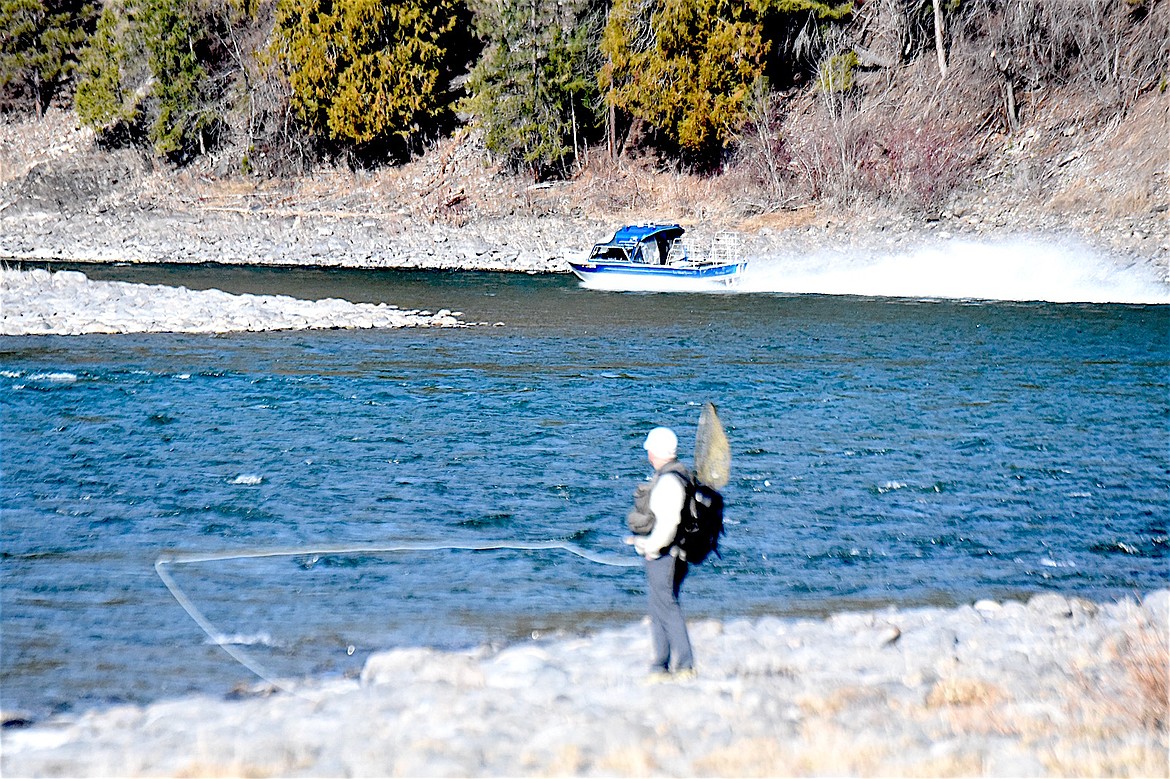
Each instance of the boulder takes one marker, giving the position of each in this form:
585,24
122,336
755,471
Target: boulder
1050,604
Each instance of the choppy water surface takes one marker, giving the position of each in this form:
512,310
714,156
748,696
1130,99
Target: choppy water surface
884,452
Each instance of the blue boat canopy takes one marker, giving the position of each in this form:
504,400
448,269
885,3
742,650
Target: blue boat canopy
634,234
645,243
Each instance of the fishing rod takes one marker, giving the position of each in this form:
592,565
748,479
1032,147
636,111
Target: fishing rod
241,657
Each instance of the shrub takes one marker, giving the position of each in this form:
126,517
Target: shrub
836,74
913,165
686,68
107,92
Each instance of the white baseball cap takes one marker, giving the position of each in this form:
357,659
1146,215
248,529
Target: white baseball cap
662,442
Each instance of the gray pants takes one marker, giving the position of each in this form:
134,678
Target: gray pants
668,629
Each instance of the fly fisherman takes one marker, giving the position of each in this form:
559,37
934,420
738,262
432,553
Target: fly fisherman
658,506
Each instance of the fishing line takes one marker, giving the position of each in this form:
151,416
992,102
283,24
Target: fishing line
264,673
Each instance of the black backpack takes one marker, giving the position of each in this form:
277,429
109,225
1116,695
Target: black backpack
701,523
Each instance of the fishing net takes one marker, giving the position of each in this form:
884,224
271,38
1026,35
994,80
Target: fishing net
712,451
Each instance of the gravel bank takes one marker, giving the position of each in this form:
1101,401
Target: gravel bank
1055,686
67,303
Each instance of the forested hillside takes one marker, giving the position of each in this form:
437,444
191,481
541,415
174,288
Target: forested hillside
787,102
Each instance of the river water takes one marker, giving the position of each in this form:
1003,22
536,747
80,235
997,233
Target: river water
891,451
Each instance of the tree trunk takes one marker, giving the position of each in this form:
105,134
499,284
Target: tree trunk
37,95
939,34
573,117
612,122
1013,115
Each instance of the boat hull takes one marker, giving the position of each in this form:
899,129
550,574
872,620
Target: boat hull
630,275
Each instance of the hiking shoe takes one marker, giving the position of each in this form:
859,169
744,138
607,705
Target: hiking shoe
686,675
657,677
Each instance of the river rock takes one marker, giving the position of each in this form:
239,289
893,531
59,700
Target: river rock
423,664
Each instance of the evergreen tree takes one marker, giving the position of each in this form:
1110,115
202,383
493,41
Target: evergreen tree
684,67
365,71
173,34
534,90
687,67
112,76
39,43
144,65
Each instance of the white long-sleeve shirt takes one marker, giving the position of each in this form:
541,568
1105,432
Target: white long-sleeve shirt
666,502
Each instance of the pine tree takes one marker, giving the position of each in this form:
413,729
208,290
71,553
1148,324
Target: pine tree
172,32
39,44
534,90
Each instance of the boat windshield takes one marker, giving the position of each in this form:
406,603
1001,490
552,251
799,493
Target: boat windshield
609,252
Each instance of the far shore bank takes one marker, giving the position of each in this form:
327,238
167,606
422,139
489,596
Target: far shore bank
523,244
1056,686
64,199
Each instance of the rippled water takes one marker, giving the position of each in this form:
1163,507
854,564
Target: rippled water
884,452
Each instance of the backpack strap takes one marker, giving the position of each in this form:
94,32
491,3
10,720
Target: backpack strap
688,483
678,469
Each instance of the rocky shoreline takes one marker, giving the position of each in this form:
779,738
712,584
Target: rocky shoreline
1056,686
277,239
286,238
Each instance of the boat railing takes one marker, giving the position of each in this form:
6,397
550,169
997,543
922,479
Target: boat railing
724,248
677,253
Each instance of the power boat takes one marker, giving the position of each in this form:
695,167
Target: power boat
654,257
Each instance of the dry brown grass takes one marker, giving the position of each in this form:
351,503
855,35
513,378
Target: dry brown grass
1137,760
634,189
837,701
212,756
25,141
823,748
1128,689
826,749
1118,711
1112,166
225,771
1076,735
780,220
963,692
628,761
1147,667
567,761
235,768
745,757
